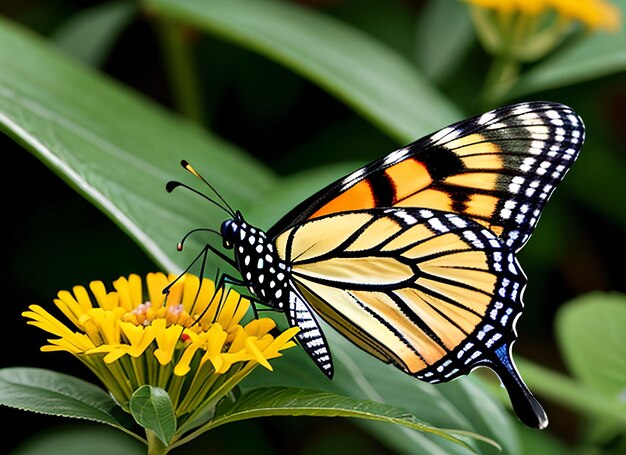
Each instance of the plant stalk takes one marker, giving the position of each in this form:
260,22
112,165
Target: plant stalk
155,445
181,70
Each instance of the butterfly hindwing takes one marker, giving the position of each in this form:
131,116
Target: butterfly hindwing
310,336
498,168
411,286
434,293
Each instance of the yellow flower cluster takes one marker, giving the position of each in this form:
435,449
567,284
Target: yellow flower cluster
595,14
128,340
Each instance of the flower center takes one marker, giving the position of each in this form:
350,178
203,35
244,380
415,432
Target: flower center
145,313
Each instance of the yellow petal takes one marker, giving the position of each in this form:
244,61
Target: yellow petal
135,286
259,327
103,298
182,367
166,339
138,337
82,296
69,306
234,308
211,302
256,353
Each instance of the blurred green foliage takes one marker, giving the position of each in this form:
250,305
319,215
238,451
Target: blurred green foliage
273,100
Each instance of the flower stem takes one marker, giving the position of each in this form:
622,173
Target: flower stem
181,72
500,78
155,445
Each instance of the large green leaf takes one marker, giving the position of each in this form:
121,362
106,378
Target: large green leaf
115,147
592,334
461,404
368,76
444,33
275,401
118,150
593,56
48,392
90,34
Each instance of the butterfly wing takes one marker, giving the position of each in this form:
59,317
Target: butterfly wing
498,169
434,293
412,256
310,336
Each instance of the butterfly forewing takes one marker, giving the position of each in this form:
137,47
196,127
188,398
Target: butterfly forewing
498,168
411,286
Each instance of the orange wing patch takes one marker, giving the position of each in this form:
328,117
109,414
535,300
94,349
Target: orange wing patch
360,196
408,177
398,181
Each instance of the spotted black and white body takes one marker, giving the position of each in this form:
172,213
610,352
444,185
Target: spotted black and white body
412,257
268,277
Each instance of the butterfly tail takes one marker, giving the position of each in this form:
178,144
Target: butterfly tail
528,409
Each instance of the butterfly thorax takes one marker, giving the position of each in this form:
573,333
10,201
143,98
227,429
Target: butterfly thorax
263,271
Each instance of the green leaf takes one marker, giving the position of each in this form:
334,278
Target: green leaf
444,33
152,409
281,401
90,34
595,55
591,331
52,393
371,78
116,148
461,404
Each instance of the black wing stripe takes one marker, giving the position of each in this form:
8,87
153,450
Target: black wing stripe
415,319
341,323
441,313
458,284
444,298
385,323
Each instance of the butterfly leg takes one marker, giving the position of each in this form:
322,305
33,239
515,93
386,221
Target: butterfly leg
229,279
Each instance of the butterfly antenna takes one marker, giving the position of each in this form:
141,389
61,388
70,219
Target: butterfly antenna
185,164
181,244
172,185
202,254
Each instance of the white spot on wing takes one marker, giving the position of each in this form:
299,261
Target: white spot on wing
485,118
441,134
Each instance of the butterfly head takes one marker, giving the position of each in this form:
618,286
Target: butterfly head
230,230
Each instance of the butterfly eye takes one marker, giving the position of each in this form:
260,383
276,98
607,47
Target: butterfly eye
229,231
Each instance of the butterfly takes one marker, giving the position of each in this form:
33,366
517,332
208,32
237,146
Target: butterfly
412,257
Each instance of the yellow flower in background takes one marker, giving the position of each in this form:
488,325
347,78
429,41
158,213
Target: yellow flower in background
522,31
526,30
594,14
190,342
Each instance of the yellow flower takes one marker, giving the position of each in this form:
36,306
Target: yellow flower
527,30
189,342
594,14
520,31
